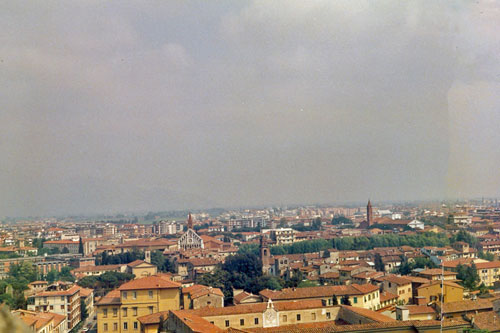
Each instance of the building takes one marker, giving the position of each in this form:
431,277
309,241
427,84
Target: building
489,272
63,302
454,310
432,292
436,273
198,296
363,296
42,322
64,245
398,285
369,214
415,312
190,239
119,309
281,236
416,224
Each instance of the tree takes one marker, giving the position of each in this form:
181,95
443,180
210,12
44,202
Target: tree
51,276
65,250
65,274
345,300
83,310
80,246
379,264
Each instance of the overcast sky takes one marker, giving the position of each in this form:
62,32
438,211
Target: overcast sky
109,106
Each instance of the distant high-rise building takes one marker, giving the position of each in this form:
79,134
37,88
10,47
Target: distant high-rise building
369,213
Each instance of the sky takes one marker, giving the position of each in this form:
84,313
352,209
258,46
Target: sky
125,106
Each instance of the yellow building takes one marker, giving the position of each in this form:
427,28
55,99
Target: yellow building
398,285
489,272
118,310
432,291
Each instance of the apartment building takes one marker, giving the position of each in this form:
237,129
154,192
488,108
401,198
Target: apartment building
399,286
63,302
40,322
363,296
118,310
433,291
489,272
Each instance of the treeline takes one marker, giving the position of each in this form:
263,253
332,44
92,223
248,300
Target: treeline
104,283
121,258
362,243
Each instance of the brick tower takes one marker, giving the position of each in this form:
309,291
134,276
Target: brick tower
369,214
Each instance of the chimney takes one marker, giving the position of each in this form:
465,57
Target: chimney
147,256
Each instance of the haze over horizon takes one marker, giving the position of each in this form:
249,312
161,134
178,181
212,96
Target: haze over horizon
126,106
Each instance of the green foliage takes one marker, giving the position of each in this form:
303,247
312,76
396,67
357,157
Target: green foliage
341,220
302,247
307,283
406,266
83,310
80,246
163,264
379,265
486,255
345,300
106,282
464,236
65,250
121,258
316,225
249,249
468,276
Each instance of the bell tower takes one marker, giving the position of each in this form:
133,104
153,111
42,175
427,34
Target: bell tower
265,254
369,213
190,221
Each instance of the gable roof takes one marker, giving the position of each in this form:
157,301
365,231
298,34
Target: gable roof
150,282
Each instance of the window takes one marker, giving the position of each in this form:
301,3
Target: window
409,289
313,315
105,313
62,307
52,307
115,312
242,322
328,315
124,295
115,326
134,294
256,321
285,318
136,326
150,309
62,298
150,294
125,312
125,326
105,327
211,322
369,297
298,317
227,323
134,311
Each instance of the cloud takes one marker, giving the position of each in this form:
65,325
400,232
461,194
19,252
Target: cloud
108,106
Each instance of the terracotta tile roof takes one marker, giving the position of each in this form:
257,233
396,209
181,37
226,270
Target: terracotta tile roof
113,297
199,261
40,319
420,309
489,320
400,281
375,316
137,263
468,305
435,271
84,292
195,323
385,296
198,290
258,308
149,282
71,291
241,296
322,291
486,265
97,268
330,275
331,326
446,283
417,279
63,241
